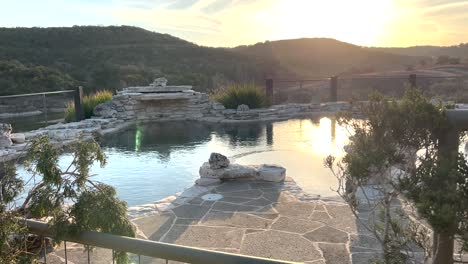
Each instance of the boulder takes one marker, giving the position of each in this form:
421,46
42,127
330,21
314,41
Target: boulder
271,173
207,181
105,110
162,81
5,133
217,106
243,108
233,171
5,129
18,138
5,142
218,161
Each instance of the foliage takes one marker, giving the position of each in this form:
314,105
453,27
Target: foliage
444,59
119,56
94,206
16,77
89,103
400,151
237,94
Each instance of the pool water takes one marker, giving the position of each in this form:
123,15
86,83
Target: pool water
152,161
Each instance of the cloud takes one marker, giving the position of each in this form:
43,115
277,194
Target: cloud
181,4
216,6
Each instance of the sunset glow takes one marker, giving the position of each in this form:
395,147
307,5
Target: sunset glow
239,22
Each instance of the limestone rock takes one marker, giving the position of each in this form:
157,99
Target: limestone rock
162,81
243,108
18,138
218,161
105,110
233,171
207,181
5,133
5,130
217,106
5,142
271,173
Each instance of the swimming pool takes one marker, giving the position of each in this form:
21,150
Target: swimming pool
151,161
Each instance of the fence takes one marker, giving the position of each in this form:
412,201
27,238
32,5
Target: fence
147,248
347,88
34,110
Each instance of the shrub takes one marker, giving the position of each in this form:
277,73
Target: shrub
89,103
237,94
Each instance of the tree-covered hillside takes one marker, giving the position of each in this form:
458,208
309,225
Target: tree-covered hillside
458,51
15,76
323,57
115,57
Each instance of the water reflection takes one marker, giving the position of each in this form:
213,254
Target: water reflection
151,161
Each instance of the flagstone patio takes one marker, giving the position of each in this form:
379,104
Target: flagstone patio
266,220
271,220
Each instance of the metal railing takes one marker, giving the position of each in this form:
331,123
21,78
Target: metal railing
148,248
22,112
358,87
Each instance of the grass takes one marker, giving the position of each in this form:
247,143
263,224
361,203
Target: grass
89,103
237,94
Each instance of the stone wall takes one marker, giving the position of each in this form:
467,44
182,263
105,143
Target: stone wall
156,103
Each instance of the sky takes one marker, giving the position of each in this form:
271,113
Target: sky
228,23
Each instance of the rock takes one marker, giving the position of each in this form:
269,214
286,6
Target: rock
271,173
233,171
159,82
207,181
105,110
5,129
5,142
218,161
243,108
18,138
217,106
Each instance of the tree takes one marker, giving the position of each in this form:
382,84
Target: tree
94,206
405,152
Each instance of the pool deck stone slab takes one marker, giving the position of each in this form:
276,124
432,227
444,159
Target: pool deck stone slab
273,220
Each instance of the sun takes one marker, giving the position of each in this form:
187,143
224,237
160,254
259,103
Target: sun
361,22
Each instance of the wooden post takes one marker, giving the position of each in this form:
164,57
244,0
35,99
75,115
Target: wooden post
269,89
79,111
443,242
412,80
334,89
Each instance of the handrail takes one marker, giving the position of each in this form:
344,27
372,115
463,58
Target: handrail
152,248
32,94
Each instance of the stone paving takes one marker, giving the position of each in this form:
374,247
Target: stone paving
272,220
266,220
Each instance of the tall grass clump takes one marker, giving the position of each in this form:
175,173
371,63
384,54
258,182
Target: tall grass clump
237,94
89,103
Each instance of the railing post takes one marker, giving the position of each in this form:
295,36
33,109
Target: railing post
334,89
79,112
443,241
269,89
412,80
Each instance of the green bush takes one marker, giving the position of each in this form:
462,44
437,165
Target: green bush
237,94
89,103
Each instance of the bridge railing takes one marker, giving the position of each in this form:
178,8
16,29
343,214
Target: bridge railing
147,248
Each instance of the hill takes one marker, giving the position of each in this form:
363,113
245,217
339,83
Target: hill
115,57
322,57
459,51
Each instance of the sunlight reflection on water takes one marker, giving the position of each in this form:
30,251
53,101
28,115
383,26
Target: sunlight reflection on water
155,160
